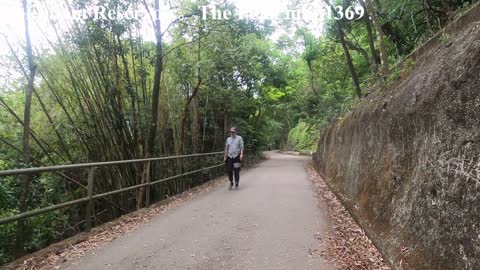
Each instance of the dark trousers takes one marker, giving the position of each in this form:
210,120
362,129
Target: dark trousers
229,163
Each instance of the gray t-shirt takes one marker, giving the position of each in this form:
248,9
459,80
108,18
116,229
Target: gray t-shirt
234,146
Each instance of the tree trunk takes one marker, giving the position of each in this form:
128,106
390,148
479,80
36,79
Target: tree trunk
152,129
23,232
225,126
196,127
205,123
358,48
312,78
381,44
348,57
149,147
183,125
375,58
191,97
310,67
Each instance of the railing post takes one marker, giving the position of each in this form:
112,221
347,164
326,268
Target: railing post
88,217
147,189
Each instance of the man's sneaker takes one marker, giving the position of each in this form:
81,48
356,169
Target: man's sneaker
236,186
230,187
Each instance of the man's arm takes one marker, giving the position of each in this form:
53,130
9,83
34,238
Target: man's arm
241,148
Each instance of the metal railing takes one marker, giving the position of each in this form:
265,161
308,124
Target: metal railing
91,180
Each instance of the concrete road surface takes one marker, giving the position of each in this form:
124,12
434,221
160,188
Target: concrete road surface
269,223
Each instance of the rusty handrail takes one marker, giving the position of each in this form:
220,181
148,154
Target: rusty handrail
90,198
96,164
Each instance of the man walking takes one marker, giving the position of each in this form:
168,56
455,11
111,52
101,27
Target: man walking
233,156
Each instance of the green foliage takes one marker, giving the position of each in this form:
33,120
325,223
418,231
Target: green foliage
48,228
303,137
7,239
410,22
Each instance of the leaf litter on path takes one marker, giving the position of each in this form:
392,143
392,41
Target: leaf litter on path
345,245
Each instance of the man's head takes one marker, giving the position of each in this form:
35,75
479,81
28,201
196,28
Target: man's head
233,131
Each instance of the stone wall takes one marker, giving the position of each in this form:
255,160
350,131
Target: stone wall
406,160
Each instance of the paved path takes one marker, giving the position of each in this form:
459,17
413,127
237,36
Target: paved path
270,223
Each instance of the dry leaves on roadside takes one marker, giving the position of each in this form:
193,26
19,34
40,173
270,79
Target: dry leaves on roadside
345,245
